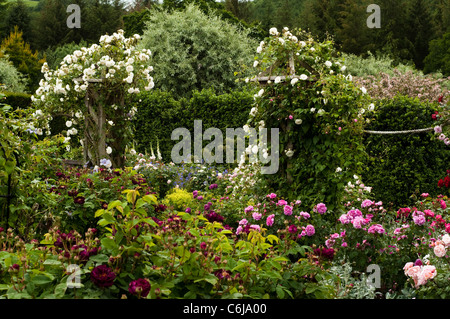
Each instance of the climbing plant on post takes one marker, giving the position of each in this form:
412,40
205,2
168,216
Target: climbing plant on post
92,87
303,89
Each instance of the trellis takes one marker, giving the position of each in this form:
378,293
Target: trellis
94,141
263,79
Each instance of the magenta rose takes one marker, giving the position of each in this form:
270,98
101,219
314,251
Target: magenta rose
103,276
140,287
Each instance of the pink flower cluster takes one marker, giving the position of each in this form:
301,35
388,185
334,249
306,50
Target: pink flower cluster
320,208
356,218
419,273
440,246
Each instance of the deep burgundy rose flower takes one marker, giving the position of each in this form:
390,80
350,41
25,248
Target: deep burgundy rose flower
103,276
441,183
327,253
79,200
214,217
222,274
140,287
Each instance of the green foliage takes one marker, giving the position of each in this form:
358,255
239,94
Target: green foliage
159,113
374,65
178,198
438,60
19,15
402,164
134,23
23,58
319,116
193,51
10,78
17,100
55,55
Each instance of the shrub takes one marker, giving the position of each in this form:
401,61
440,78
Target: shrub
401,164
17,99
24,59
193,51
415,85
10,78
439,57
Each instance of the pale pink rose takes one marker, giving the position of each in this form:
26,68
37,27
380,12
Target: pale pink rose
446,239
413,271
429,272
439,250
256,216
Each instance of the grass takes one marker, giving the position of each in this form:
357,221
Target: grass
29,3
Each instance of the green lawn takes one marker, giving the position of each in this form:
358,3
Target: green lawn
30,3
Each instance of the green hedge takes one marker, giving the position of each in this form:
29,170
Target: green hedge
403,164
159,114
17,100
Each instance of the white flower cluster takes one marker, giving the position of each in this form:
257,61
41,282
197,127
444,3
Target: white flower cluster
115,62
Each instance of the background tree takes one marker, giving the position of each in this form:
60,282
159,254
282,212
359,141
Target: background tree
419,30
439,57
50,26
351,31
19,15
16,50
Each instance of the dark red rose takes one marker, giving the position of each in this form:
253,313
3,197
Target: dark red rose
140,287
447,181
103,276
441,183
79,200
327,253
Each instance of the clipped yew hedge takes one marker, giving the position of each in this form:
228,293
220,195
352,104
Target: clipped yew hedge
159,114
403,164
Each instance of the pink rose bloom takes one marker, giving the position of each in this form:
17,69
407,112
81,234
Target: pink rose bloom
439,250
437,129
408,266
270,220
344,244
425,195
344,219
321,208
243,222
281,202
377,228
419,220
288,210
358,222
305,215
257,216
446,239
429,213
239,230
255,227
330,243
429,272
443,204
310,230
366,203
413,271
354,213
248,209
272,195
